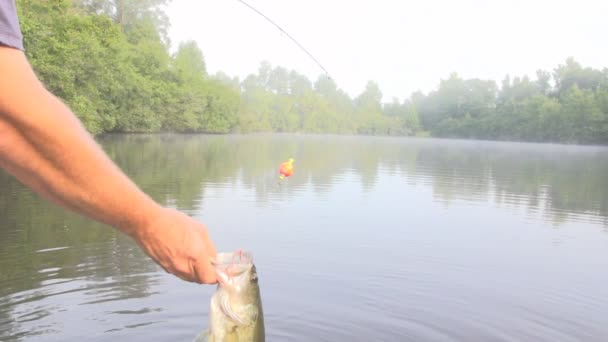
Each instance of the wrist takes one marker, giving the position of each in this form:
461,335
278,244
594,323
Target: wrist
139,225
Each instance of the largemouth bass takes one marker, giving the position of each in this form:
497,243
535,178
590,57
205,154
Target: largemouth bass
235,311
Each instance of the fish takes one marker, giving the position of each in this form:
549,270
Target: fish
235,310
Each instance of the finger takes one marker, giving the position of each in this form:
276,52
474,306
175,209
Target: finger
182,273
190,277
204,272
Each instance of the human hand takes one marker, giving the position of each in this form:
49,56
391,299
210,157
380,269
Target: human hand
180,245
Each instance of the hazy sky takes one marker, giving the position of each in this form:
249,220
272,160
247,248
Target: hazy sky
403,45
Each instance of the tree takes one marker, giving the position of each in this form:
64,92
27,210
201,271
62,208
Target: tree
121,78
368,110
92,47
128,13
572,73
189,63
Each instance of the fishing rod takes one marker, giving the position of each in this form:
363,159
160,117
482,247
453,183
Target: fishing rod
287,34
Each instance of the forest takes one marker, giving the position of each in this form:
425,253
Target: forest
110,61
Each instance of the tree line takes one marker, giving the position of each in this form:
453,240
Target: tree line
110,61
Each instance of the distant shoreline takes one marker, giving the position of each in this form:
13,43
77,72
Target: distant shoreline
338,135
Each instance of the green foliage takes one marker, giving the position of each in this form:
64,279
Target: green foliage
221,112
109,61
128,14
115,72
75,56
189,64
567,106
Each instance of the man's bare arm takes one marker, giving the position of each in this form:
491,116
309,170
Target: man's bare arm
46,147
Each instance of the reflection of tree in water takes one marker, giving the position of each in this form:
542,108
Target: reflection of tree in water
454,171
46,252
176,169
556,179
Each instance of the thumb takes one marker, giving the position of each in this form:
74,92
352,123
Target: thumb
204,271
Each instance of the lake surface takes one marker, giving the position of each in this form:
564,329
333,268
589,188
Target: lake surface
372,239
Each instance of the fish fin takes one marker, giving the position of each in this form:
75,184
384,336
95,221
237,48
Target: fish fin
227,310
254,316
203,337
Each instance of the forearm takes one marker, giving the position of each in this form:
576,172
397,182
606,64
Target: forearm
44,145
69,167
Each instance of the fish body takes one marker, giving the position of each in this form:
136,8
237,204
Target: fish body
235,311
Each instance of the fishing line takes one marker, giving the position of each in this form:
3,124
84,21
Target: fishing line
287,34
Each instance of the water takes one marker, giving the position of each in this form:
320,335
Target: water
372,239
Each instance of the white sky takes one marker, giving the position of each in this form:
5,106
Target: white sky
403,45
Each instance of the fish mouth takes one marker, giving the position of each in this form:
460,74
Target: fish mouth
235,258
229,266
